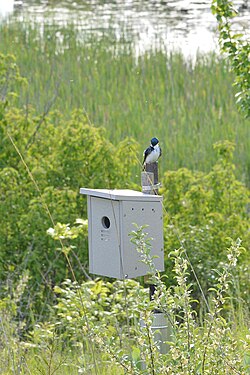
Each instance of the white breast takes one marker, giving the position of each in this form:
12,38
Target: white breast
154,155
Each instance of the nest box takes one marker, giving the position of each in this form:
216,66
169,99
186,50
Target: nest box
111,218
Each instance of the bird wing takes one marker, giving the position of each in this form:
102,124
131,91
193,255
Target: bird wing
147,152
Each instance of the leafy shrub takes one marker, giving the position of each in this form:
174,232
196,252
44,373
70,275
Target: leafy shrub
237,48
40,178
202,212
44,160
103,320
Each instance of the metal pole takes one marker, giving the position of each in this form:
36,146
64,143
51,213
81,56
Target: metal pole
161,327
150,185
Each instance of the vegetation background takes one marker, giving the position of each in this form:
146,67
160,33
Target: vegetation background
74,115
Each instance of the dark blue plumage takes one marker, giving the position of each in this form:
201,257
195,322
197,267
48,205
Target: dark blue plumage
152,153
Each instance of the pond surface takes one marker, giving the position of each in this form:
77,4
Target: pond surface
187,25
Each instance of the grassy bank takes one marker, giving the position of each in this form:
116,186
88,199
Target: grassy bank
188,107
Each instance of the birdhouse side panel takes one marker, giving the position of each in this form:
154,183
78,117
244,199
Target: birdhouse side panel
90,233
142,213
104,250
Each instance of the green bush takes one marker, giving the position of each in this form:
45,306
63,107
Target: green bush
202,212
101,321
43,165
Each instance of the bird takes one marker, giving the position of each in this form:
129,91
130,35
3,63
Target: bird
152,153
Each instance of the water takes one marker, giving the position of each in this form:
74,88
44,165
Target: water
183,25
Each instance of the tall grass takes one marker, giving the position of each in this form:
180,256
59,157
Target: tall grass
188,106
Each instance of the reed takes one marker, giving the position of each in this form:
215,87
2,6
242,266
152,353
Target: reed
188,106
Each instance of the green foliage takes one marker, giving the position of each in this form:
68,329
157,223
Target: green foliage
99,304
203,211
10,80
63,231
100,321
43,165
237,48
11,352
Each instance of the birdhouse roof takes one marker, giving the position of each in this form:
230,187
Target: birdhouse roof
121,195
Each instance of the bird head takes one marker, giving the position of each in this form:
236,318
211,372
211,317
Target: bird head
154,142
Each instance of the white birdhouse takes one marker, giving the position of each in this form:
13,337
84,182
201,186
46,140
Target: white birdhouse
111,218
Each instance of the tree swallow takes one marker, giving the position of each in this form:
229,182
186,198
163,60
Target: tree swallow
152,153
